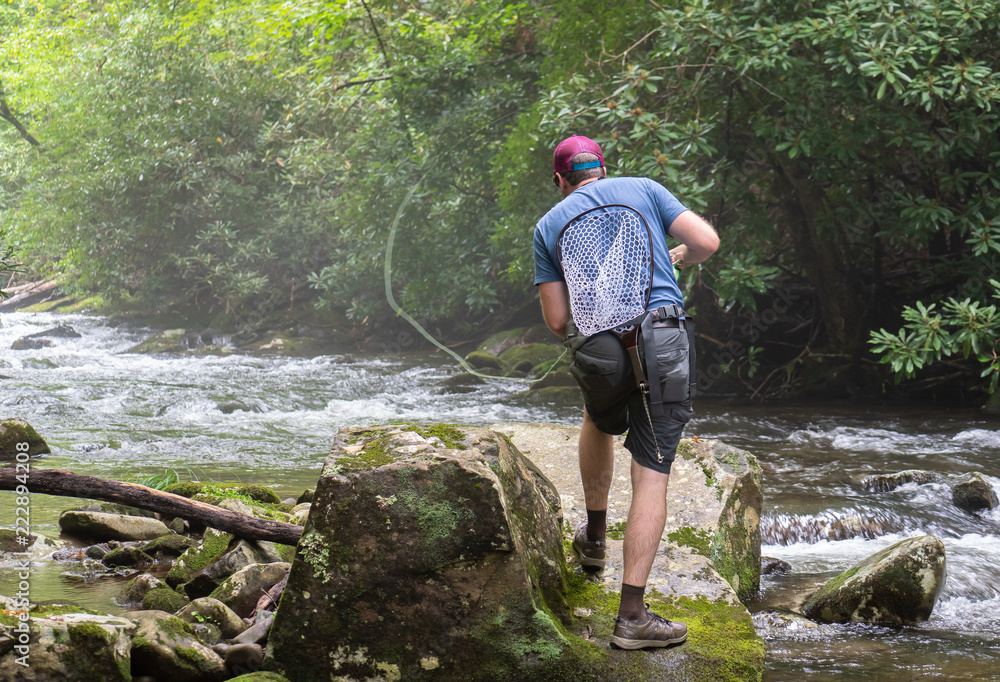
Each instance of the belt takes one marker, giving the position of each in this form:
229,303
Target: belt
672,322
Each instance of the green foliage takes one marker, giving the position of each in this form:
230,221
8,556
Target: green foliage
967,328
850,147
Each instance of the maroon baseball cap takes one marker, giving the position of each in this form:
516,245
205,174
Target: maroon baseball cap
562,159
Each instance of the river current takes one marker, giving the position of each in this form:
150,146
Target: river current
270,419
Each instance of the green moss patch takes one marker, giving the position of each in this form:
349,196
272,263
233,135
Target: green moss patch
698,540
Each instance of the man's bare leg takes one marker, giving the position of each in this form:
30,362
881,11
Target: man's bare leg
597,466
647,516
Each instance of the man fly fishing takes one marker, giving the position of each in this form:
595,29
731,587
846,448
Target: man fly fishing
601,254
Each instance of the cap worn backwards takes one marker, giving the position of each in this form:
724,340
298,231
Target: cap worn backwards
562,159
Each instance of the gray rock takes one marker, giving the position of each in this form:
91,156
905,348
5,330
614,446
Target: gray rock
243,589
15,431
256,633
771,566
242,554
170,545
209,610
244,658
30,344
306,496
897,586
167,648
971,492
129,555
102,526
61,331
213,545
98,551
177,525
137,588
72,647
208,633
886,482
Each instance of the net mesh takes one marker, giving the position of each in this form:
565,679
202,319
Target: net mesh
606,260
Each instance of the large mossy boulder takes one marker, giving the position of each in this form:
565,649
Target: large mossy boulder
70,647
897,586
101,526
420,561
16,431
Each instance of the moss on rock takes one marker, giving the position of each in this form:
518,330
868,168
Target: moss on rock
13,432
163,599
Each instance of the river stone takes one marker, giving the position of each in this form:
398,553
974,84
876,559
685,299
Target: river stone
167,648
129,555
62,331
102,526
15,431
421,561
137,587
243,589
244,658
971,492
885,482
31,344
72,647
213,545
213,611
772,566
163,599
171,545
897,586
243,553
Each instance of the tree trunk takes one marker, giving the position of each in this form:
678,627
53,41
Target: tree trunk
66,483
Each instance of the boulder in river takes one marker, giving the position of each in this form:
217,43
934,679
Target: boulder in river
973,493
885,482
897,586
102,526
13,432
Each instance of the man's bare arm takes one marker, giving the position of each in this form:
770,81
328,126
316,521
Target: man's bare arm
698,239
555,306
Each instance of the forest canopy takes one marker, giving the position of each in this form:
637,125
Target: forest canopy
233,153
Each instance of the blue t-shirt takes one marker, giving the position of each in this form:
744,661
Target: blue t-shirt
657,205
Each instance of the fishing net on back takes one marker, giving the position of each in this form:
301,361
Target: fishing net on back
607,262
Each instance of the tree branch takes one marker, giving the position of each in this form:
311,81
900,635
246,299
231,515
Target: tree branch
5,113
68,484
349,84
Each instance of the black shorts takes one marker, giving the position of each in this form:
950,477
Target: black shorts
603,369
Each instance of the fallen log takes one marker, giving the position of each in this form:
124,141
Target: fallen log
68,484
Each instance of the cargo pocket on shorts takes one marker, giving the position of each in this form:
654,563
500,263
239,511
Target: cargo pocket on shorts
672,363
597,367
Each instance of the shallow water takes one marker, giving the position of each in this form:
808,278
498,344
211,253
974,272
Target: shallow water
109,413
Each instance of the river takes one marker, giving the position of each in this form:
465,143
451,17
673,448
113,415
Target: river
110,413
